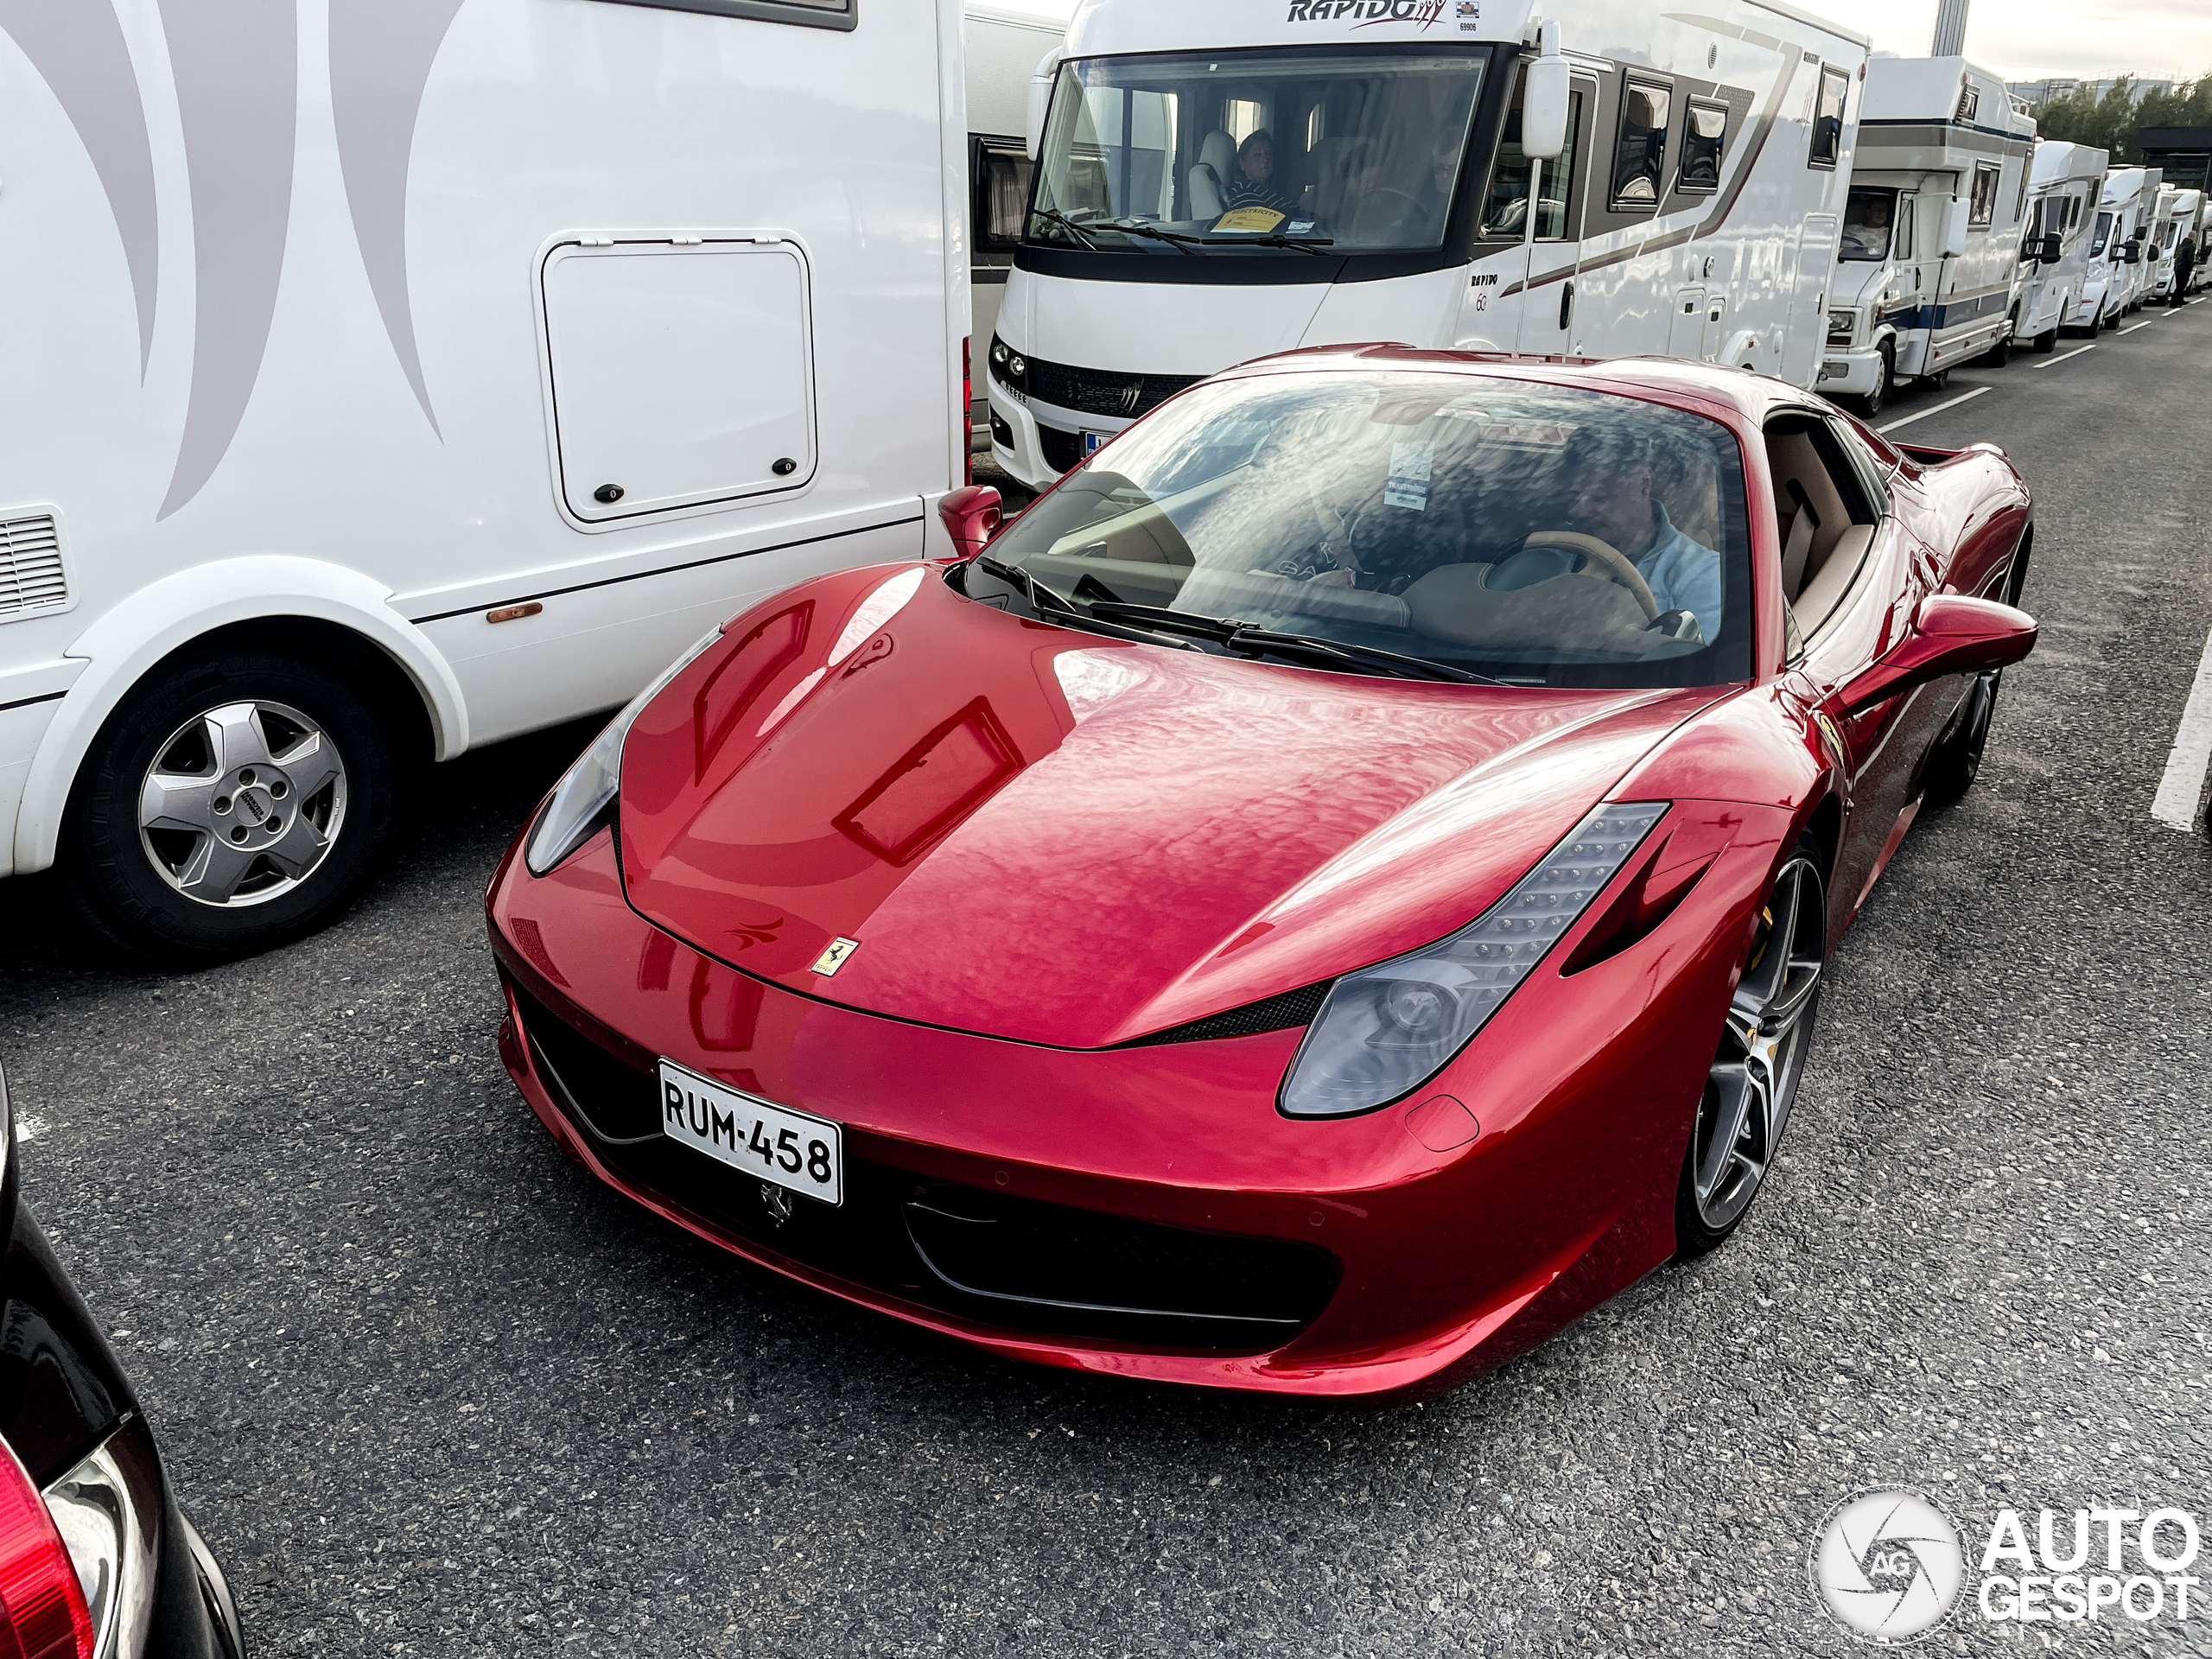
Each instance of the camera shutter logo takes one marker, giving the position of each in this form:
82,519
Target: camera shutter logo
1887,1564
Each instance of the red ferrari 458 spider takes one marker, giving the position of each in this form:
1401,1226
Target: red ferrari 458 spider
1333,891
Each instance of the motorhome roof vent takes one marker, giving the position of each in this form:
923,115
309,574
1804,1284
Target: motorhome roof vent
31,577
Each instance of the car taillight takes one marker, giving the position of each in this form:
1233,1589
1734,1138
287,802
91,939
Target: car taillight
967,411
43,1614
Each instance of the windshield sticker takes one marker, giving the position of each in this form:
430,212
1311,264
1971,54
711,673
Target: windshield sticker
1250,218
1408,482
1300,227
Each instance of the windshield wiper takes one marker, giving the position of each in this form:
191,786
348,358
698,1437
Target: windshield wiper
1059,217
1312,245
1053,606
1242,636
1182,244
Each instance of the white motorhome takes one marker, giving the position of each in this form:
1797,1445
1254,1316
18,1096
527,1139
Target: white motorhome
2180,219
404,375
1001,49
1216,183
2065,184
2114,285
1928,271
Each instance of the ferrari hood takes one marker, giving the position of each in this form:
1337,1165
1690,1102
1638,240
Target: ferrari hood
1034,833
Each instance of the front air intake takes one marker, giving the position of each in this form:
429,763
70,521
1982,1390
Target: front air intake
31,575
1280,1013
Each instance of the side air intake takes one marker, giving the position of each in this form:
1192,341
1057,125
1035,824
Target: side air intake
31,576
1274,1014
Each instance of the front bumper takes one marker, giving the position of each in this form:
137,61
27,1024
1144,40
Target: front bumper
1036,442
1439,1263
1849,373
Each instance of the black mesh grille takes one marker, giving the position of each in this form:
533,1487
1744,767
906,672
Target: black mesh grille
1102,391
1014,1264
1063,451
1275,1013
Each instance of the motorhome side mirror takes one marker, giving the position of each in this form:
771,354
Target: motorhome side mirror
1544,109
1955,224
1951,634
972,516
2053,249
1040,100
2131,254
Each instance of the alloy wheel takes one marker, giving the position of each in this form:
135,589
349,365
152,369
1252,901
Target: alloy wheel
1754,1078
242,804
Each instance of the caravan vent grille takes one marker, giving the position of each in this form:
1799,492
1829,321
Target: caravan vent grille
31,577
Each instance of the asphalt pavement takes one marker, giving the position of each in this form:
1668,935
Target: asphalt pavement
429,1390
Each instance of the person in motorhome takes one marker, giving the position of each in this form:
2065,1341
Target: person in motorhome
1618,502
1866,224
1253,185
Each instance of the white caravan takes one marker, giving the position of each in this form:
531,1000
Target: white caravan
2180,219
1218,183
1928,268
391,377
2063,186
1001,49
2113,286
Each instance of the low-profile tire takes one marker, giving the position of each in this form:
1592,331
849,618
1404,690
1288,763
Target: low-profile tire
1761,1058
2046,342
1956,760
231,803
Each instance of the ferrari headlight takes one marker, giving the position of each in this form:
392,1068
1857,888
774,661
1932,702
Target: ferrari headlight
587,788
1388,1029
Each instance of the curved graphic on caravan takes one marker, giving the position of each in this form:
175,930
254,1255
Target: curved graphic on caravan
237,69
380,56
79,51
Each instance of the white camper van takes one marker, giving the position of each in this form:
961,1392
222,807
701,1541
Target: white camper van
1928,268
2180,219
1001,49
2065,184
1218,183
2114,285
392,378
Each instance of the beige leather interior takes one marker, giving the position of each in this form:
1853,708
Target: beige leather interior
1208,177
1792,459
1819,596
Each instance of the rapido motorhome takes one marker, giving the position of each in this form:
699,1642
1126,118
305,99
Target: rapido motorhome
393,376
2113,284
2063,185
1929,263
1216,183
1001,50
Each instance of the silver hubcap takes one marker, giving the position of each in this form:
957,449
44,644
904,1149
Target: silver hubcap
242,804
1754,1078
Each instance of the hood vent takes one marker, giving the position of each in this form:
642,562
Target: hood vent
1274,1014
31,577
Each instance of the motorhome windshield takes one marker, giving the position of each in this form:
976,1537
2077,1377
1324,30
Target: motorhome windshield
1869,216
1250,153
2104,230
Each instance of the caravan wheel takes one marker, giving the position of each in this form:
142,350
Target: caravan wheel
2046,342
2001,353
1870,403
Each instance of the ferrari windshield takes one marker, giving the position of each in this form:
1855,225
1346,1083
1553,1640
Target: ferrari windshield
1510,528
1347,149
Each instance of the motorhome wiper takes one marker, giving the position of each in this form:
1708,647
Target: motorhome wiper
1054,606
1312,245
1061,218
1183,244
1242,636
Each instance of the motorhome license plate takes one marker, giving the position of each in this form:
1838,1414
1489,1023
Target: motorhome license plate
791,1149
1091,442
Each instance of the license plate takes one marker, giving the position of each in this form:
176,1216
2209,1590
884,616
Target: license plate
1091,441
791,1149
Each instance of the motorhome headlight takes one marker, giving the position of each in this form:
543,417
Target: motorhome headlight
1386,1030
581,801
1017,365
998,352
1842,325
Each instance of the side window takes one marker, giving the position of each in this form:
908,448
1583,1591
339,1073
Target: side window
1969,103
1905,205
1001,169
1505,205
1640,153
1703,137
808,13
1824,513
1982,211
1827,120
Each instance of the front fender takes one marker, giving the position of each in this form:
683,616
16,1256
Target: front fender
124,642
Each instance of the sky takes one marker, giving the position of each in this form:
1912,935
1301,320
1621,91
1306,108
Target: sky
2022,40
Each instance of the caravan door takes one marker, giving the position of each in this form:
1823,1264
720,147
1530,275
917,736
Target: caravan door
1808,327
1549,323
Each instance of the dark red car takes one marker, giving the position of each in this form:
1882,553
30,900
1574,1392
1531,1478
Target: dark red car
1337,888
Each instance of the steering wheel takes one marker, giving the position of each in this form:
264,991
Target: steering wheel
1614,564
1392,205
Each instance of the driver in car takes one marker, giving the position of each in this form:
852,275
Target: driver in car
1611,497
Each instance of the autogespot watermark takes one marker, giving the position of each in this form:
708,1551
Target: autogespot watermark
1890,1566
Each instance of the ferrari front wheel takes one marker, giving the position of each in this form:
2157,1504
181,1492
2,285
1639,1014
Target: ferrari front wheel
1753,1082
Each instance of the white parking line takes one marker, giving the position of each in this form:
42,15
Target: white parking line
2053,362
2146,323
2175,804
1934,409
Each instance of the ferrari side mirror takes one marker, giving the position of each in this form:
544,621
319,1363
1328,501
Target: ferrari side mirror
972,516
1950,634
